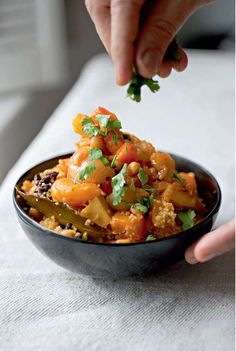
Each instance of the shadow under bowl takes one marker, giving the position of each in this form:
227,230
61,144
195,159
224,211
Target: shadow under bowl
120,260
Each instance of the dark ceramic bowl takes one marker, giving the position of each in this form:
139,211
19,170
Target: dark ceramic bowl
116,260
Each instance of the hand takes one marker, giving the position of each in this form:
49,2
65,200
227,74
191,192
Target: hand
139,31
212,244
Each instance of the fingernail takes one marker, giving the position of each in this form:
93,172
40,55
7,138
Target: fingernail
150,60
190,258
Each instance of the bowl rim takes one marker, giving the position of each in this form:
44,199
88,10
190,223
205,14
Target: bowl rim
27,219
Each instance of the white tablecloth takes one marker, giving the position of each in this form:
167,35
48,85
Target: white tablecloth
43,307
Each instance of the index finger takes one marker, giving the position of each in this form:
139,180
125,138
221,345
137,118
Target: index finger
125,15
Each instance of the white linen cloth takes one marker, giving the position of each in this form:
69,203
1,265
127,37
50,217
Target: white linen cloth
43,307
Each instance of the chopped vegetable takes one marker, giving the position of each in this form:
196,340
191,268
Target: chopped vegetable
187,219
98,212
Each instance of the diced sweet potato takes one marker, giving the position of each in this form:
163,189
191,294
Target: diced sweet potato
98,212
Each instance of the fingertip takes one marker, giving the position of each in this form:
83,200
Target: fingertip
123,75
165,70
190,256
181,65
147,63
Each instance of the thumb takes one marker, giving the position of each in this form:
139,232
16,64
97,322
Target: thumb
164,20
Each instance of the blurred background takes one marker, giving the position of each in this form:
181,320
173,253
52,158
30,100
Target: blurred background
43,47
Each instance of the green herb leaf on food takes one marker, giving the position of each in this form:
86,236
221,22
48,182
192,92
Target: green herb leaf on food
87,171
97,154
114,124
89,127
113,162
187,219
103,120
150,237
132,185
115,138
142,176
140,207
118,185
177,176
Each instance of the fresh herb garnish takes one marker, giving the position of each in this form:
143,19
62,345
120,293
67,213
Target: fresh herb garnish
89,127
113,162
137,81
187,219
149,188
147,201
118,185
87,171
177,176
115,138
97,154
103,120
114,124
142,176
150,237
132,184
140,207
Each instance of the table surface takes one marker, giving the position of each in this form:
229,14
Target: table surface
43,307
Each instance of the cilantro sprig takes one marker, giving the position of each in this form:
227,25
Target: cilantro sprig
150,237
187,219
87,171
142,176
137,81
178,177
105,125
118,185
97,154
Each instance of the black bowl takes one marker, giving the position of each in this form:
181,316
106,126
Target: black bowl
116,260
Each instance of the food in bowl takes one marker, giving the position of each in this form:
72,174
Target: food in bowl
115,188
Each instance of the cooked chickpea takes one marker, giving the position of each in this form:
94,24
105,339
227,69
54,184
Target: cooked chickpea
97,142
133,168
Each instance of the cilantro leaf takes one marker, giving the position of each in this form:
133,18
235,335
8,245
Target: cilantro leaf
187,219
103,120
87,171
89,127
142,176
97,154
113,162
137,81
115,138
140,207
114,124
132,184
118,185
147,201
177,176
149,188
150,237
